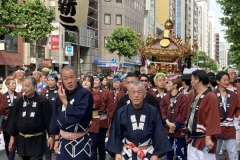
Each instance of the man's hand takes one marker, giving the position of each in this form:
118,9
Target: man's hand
208,142
11,142
50,142
171,126
62,96
55,147
238,119
118,157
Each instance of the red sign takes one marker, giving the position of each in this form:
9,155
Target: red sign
54,46
54,39
46,62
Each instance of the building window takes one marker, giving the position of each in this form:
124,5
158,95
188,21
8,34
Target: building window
107,0
119,1
118,19
11,43
107,19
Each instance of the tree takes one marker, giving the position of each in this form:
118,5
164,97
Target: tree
123,42
31,20
10,19
231,20
202,60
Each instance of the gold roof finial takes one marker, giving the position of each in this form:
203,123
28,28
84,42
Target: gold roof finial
169,24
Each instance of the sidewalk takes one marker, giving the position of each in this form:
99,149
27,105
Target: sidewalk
1,142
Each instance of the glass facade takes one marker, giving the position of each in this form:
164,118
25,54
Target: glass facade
179,18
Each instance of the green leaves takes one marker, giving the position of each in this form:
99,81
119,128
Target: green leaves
122,41
31,19
231,19
202,60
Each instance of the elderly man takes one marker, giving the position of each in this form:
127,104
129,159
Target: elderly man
72,117
136,129
30,119
123,98
232,86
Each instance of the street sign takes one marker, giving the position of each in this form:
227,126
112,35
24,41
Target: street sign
137,59
114,61
81,60
54,46
69,51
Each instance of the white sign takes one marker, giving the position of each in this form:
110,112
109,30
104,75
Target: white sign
2,45
69,51
32,60
72,14
137,59
148,5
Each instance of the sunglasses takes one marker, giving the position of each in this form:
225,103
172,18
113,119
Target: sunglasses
145,80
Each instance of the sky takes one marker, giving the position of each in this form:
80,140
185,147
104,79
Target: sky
214,6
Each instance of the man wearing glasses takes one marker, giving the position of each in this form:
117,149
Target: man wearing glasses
145,80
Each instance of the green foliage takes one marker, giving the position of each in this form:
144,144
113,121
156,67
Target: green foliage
231,19
31,19
123,42
207,62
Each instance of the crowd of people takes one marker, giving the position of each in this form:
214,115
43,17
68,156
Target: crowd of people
128,115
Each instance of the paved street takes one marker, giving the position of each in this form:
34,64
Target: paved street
4,157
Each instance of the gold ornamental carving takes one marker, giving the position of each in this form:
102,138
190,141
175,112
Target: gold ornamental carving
167,51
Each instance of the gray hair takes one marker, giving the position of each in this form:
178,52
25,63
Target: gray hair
136,84
70,68
32,79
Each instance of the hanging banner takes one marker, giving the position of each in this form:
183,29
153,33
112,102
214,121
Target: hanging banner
54,39
47,62
71,14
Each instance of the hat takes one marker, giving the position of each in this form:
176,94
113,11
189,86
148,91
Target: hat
124,76
45,69
37,72
159,74
53,75
170,78
98,76
20,70
117,77
226,68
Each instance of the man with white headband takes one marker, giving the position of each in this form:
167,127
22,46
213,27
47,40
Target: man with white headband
20,74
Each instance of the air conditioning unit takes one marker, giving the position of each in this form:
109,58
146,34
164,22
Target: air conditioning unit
2,45
33,60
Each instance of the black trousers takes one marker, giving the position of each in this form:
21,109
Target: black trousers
101,143
32,157
10,154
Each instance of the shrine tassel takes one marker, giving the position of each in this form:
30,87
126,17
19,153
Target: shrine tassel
179,63
143,60
189,63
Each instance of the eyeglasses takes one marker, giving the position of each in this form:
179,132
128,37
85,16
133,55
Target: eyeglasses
144,80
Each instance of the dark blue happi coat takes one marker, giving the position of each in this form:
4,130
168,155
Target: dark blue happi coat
75,118
148,132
